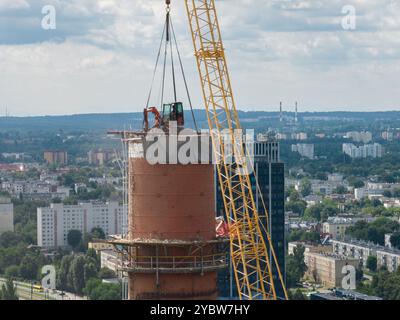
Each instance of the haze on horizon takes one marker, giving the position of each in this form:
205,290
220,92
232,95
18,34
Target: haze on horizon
100,57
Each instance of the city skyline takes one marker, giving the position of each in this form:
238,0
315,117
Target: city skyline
101,54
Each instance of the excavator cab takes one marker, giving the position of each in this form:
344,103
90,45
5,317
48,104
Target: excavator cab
173,112
170,112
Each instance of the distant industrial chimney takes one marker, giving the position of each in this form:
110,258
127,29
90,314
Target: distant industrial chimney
296,119
280,113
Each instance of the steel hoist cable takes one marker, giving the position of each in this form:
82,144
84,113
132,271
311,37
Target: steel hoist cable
168,36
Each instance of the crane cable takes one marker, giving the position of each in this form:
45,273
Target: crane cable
170,39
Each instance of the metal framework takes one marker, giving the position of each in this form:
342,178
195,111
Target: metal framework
199,256
251,260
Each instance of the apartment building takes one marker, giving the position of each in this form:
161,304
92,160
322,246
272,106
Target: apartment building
6,215
305,150
55,222
56,157
358,249
388,258
327,268
336,227
366,151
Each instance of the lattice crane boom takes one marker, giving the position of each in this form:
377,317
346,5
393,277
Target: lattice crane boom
251,259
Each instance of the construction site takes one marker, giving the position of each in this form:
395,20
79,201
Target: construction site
175,243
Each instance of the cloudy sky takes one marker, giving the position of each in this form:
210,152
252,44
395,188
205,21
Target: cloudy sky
101,55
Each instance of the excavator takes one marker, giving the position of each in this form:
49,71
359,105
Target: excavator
170,112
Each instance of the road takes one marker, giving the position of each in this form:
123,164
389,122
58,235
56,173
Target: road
25,292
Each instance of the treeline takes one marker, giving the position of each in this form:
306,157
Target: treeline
81,274
384,284
374,231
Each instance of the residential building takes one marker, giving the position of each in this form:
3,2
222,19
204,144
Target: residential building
14,167
300,136
360,193
388,258
6,215
270,173
336,227
366,151
112,260
308,247
358,249
312,199
55,222
56,157
100,246
100,157
388,135
335,177
304,149
327,268
388,238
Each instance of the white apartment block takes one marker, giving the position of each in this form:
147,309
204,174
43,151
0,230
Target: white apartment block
386,257
360,250
6,215
389,258
305,150
366,151
55,222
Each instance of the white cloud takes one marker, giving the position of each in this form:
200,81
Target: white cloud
285,49
8,5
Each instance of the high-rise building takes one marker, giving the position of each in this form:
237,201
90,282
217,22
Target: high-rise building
366,151
55,222
6,215
100,157
270,173
56,157
304,149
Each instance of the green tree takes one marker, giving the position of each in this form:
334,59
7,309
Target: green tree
295,267
106,273
8,291
313,212
298,207
12,272
77,271
296,295
90,269
372,263
98,233
341,190
29,267
305,187
395,240
74,238
63,273
10,239
294,195
96,290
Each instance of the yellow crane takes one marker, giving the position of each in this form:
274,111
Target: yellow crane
252,252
